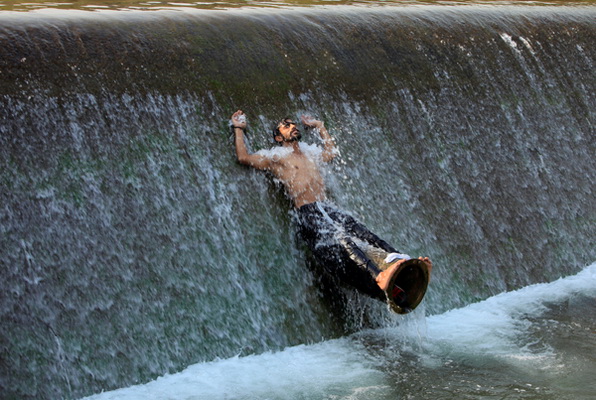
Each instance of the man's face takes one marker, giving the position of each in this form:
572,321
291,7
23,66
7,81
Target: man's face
289,130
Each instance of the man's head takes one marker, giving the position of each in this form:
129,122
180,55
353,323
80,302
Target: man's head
286,130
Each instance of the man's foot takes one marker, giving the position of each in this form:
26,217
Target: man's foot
385,276
428,262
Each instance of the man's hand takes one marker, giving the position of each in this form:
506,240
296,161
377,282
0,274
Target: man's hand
329,152
239,120
244,157
310,122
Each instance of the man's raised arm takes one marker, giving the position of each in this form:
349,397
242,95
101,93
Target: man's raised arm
244,157
329,151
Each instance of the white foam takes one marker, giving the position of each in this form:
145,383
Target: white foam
312,151
495,326
343,368
313,371
275,153
509,40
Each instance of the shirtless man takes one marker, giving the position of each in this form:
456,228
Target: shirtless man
303,182
298,173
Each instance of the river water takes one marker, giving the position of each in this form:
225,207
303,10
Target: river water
533,343
139,259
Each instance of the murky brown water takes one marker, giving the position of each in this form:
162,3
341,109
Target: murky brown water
90,5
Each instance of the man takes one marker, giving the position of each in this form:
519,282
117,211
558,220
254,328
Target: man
330,233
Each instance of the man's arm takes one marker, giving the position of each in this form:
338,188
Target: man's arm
244,157
329,152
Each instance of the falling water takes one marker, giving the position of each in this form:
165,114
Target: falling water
132,244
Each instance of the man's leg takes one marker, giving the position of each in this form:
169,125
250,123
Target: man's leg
358,256
321,224
361,232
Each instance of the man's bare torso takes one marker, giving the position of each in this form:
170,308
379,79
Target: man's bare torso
294,165
301,177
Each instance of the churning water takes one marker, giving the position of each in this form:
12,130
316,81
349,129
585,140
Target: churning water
136,253
537,342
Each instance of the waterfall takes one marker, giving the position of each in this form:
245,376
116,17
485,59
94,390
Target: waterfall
132,243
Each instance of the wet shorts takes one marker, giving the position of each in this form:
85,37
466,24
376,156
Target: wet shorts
330,233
